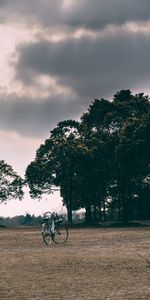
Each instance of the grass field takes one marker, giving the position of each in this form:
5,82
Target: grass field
94,264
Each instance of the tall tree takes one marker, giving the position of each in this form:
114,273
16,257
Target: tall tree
99,162
105,118
128,162
134,158
55,164
98,139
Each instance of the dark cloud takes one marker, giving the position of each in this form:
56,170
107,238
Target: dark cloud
99,13
35,118
93,14
90,67
30,11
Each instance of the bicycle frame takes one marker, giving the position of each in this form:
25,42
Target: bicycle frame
52,226
52,229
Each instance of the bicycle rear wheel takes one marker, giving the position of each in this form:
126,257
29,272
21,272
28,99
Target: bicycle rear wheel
60,235
46,234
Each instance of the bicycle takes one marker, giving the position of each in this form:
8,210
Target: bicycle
53,229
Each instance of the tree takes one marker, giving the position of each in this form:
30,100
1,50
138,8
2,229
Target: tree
55,164
134,159
10,183
107,122
100,162
98,138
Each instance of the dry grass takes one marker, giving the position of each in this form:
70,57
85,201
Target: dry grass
94,264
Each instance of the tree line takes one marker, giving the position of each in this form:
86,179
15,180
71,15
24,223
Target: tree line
100,163
21,220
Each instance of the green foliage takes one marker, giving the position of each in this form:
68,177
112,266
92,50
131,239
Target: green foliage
27,220
100,163
10,183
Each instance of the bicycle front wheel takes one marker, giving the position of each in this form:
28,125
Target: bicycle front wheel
46,234
61,235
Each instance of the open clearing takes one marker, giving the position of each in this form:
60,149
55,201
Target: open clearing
94,264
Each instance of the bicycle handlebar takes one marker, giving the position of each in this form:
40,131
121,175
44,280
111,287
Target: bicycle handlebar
51,214
48,212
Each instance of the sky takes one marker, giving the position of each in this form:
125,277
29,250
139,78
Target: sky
55,58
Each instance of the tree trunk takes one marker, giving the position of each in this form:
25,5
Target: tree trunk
123,193
69,213
70,200
95,213
100,212
104,210
88,214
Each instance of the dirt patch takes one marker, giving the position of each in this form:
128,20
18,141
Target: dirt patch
94,264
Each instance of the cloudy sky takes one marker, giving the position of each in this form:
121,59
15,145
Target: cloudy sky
55,58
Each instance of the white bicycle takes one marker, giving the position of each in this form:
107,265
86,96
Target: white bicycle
53,229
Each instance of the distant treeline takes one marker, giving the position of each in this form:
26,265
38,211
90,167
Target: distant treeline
27,220
32,220
100,163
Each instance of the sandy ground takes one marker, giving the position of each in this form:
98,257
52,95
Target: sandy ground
94,264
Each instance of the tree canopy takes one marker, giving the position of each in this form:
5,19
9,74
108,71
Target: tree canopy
10,183
100,163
